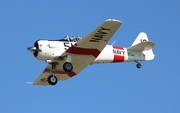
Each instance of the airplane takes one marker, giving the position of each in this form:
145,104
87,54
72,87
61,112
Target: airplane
69,56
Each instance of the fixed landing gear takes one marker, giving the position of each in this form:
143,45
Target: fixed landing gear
138,65
68,67
52,79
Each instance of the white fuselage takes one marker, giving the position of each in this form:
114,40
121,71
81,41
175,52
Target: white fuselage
53,49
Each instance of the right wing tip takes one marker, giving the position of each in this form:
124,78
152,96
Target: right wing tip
114,20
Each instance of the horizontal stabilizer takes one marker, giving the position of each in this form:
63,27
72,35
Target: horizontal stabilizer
143,46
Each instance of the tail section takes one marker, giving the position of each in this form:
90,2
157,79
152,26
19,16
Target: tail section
142,41
142,37
149,55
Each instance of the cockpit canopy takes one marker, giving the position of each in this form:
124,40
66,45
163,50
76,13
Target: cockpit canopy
71,39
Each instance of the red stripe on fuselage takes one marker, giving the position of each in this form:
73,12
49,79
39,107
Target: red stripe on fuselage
71,74
117,47
118,57
83,51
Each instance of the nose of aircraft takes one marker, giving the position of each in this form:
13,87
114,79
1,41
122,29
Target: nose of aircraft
34,49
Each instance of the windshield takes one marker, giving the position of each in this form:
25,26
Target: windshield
72,38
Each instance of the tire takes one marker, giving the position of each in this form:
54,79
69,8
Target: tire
138,65
52,80
68,67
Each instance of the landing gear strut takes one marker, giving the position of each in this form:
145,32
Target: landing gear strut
52,79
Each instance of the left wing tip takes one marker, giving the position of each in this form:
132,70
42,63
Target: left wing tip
29,83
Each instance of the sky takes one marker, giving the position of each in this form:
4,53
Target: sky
102,88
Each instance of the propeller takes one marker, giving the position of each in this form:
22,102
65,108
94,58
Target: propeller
35,49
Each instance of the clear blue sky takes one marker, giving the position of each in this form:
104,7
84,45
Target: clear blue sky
109,88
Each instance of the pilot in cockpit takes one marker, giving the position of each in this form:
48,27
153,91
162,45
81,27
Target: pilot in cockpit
72,39
77,38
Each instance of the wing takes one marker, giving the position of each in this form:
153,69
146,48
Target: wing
82,53
59,73
95,41
79,63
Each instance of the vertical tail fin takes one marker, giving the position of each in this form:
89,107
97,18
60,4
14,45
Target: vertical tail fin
142,37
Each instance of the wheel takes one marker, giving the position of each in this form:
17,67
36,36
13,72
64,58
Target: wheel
138,65
52,80
68,67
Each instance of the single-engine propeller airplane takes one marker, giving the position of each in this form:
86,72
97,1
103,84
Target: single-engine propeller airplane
69,56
